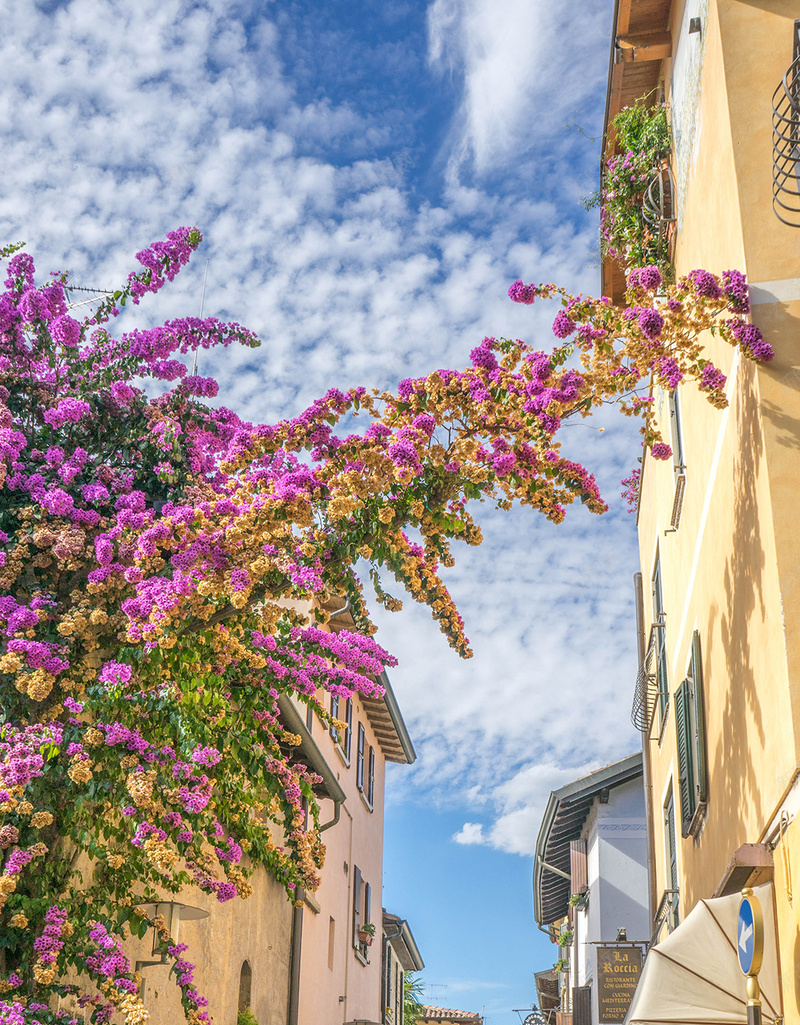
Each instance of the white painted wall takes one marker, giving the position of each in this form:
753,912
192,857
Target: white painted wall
616,842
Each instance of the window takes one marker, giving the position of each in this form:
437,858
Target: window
362,909
671,855
387,977
245,986
356,906
659,621
335,714
360,757
676,431
309,718
690,730
371,776
678,461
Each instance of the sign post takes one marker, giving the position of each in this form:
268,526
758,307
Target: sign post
750,948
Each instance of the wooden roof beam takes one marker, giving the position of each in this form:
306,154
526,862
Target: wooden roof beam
645,46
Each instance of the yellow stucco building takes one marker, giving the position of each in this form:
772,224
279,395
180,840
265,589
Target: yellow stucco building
718,695
313,963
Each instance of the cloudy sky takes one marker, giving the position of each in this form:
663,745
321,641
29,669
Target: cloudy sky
370,177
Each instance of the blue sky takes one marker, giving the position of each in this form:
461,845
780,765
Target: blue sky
370,177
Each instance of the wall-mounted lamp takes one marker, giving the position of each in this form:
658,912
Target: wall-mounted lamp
173,914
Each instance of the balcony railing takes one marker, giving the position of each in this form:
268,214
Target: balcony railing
786,142
650,685
658,202
667,911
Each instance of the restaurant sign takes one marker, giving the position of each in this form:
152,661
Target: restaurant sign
618,971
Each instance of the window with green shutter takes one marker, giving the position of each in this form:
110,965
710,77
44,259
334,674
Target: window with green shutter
691,736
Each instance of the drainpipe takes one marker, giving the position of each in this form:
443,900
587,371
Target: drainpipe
647,785
296,952
337,811
348,922
341,611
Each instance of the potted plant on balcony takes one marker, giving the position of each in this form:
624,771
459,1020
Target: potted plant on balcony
565,938
366,933
579,900
561,965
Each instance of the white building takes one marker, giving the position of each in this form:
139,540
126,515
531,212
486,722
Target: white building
590,891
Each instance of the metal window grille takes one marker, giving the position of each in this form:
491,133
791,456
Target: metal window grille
786,142
658,203
651,683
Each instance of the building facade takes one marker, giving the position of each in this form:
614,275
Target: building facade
400,955
590,891
319,960
718,691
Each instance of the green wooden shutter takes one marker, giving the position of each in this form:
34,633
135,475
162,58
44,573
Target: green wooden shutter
685,752
699,724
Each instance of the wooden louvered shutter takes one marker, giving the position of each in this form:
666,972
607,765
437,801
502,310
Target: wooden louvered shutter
582,1005
360,757
579,877
699,723
683,730
348,733
356,905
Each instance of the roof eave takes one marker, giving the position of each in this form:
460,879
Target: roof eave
580,789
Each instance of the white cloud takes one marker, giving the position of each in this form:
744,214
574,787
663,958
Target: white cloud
470,833
351,278
522,64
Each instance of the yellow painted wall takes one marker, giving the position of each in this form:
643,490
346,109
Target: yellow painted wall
732,570
257,930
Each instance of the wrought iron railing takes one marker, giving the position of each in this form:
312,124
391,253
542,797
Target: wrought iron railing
658,204
667,911
786,142
650,687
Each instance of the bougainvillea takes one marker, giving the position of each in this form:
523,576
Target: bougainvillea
168,570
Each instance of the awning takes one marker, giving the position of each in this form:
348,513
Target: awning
693,977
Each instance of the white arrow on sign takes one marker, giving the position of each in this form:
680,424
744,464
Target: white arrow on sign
744,935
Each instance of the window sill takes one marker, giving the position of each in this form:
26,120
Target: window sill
360,957
677,501
342,755
367,805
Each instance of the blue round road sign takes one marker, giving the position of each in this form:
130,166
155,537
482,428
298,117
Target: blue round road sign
749,935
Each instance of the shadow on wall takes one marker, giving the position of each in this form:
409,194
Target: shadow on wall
782,8
733,780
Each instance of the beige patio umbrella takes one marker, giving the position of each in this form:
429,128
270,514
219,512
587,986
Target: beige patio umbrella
693,976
